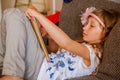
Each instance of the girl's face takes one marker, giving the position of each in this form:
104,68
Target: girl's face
92,31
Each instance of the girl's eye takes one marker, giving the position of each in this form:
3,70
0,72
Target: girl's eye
92,26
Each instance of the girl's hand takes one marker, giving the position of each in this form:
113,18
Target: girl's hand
31,12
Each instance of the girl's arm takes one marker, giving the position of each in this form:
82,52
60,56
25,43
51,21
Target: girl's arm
62,39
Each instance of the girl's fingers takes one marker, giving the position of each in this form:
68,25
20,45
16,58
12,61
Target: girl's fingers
28,14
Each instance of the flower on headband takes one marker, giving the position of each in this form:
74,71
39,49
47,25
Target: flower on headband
87,13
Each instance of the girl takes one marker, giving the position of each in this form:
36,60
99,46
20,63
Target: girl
76,59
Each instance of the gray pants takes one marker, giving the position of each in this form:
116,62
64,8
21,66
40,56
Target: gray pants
21,51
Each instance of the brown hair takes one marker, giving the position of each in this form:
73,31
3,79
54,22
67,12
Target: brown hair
109,18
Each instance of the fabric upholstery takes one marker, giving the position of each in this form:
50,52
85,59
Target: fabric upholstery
109,69
69,18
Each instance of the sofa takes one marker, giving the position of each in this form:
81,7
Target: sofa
109,69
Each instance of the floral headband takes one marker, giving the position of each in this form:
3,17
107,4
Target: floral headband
88,13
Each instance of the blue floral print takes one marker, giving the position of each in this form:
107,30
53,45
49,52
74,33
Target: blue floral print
60,61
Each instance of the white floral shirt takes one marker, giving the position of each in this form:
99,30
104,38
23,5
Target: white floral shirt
67,65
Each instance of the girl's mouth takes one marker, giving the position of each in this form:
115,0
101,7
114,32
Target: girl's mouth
84,34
